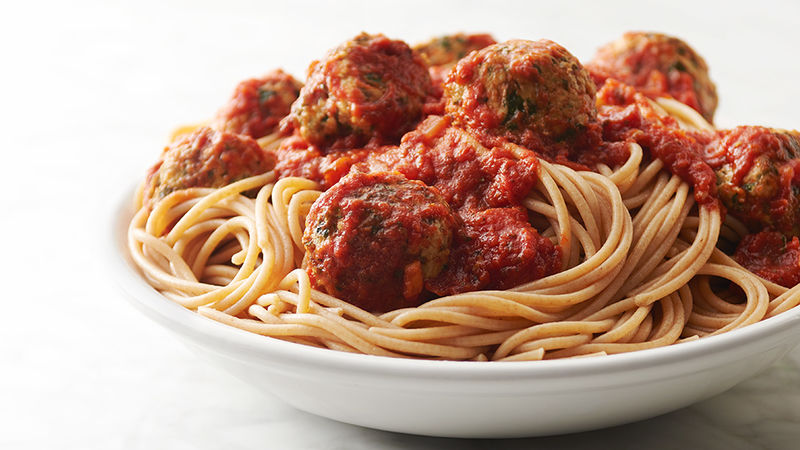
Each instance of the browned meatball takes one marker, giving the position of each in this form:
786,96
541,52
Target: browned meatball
658,65
532,93
452,47
758,176
259,104
366,92
375,239
205,158
443,52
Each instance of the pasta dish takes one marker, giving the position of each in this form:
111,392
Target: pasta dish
473,200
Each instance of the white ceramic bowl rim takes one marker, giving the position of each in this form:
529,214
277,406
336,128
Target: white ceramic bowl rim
707,351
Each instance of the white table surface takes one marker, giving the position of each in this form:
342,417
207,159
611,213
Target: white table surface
88,94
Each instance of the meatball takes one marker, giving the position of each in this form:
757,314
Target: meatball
205,158
658,65
443,52
532,93
758,176
449,49
259,104
375,239
366,92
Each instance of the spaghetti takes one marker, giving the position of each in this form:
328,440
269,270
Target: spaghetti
640,268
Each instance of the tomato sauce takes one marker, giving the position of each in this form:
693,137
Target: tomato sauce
496,247
627,116
654,83
741,146
771,255
297,159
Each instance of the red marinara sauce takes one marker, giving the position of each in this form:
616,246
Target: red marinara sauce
496,247
771,255
295,158
627,116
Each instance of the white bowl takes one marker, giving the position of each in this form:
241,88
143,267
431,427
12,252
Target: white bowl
466,399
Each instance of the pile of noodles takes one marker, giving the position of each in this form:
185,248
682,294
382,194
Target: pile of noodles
641,269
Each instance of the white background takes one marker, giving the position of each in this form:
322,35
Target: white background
88,94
